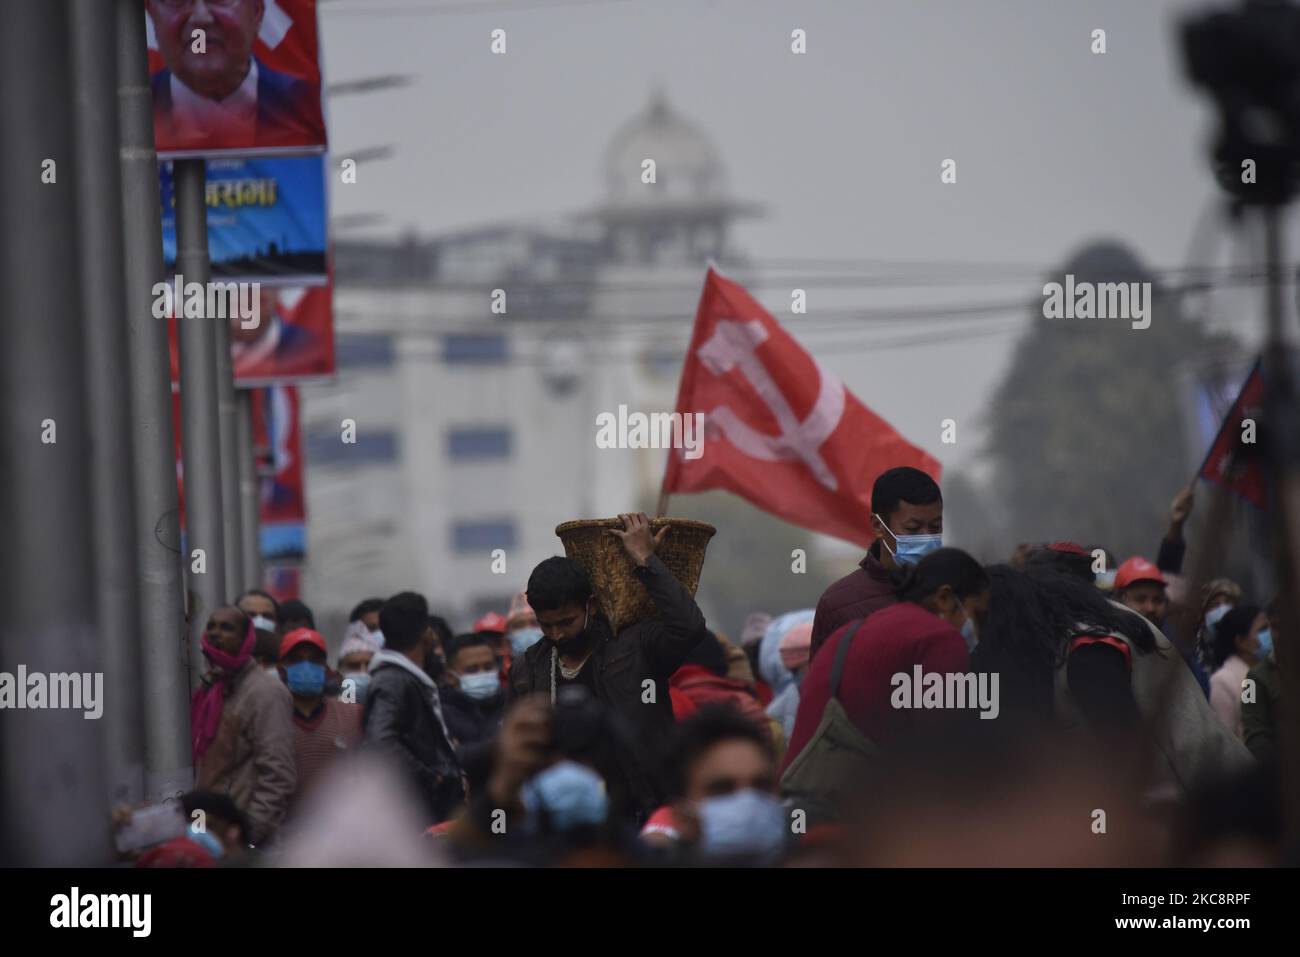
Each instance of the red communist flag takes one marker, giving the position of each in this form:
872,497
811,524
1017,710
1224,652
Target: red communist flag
779,430
1232,462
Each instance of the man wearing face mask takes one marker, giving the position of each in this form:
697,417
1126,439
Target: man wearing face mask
261,607
403,713
1262,713
579,648
907,522
324,728
472,702
242,732
722,775
521,626
354,665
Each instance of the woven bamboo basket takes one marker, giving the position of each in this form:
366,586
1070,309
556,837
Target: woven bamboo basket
621,596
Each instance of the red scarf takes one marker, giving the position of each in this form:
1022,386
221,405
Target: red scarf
208,700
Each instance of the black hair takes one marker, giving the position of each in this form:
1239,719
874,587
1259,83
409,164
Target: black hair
710,726
709,653
556,583
944,566
903,484
472,640
1034,613
441,629
365,608
275,605
1072,564
266,646
1232,626
215,804
403,620
295,610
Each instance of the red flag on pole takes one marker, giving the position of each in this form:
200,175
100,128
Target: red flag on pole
1233,460
779,430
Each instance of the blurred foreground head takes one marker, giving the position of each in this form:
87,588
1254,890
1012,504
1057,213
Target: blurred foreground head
981,796
362,815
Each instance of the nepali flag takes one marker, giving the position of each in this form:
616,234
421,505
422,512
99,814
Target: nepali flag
1234,460
780,431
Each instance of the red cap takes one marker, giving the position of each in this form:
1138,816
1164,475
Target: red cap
298,636
1137,569
491,622
1069,548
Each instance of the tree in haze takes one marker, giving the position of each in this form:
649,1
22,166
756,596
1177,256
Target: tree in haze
1086,432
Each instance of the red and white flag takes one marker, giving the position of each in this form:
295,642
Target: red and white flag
779,430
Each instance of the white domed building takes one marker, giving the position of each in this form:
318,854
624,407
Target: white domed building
482,422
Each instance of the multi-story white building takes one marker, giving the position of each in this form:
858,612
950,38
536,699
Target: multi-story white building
475,426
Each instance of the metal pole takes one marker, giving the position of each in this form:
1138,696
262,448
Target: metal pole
228,410
52,797
103,302
200,421
249,493
164,651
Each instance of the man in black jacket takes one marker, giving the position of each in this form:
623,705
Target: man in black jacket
628,672
403,715
472,702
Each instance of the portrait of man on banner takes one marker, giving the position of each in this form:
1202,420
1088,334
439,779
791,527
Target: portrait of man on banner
234,75
293,339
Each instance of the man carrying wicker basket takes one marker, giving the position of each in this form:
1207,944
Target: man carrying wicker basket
628,671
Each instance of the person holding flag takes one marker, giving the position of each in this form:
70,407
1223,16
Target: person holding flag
783,433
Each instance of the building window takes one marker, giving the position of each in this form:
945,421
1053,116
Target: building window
364,351
370,448
466,445
483,536
475,349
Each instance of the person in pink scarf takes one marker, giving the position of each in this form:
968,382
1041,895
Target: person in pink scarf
241,724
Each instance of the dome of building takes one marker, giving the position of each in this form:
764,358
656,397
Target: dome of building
687,166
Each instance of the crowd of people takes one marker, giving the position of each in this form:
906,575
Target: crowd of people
930,709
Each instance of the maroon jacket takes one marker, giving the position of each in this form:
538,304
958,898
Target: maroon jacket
856,595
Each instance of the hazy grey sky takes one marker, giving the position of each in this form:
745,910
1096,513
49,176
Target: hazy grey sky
1054,145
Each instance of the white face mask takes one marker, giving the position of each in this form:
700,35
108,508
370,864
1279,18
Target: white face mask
266,624
484,684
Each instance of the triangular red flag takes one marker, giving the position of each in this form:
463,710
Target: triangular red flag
780,431
1231,462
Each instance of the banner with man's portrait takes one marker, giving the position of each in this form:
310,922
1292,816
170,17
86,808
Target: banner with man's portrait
289,340
277,448
235,76
266,219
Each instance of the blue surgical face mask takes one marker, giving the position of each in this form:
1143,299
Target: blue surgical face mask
910,549
968,632
1265,639
206,840
264,623
305,678
521,639
484,684
745,823
1215,615
569,795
